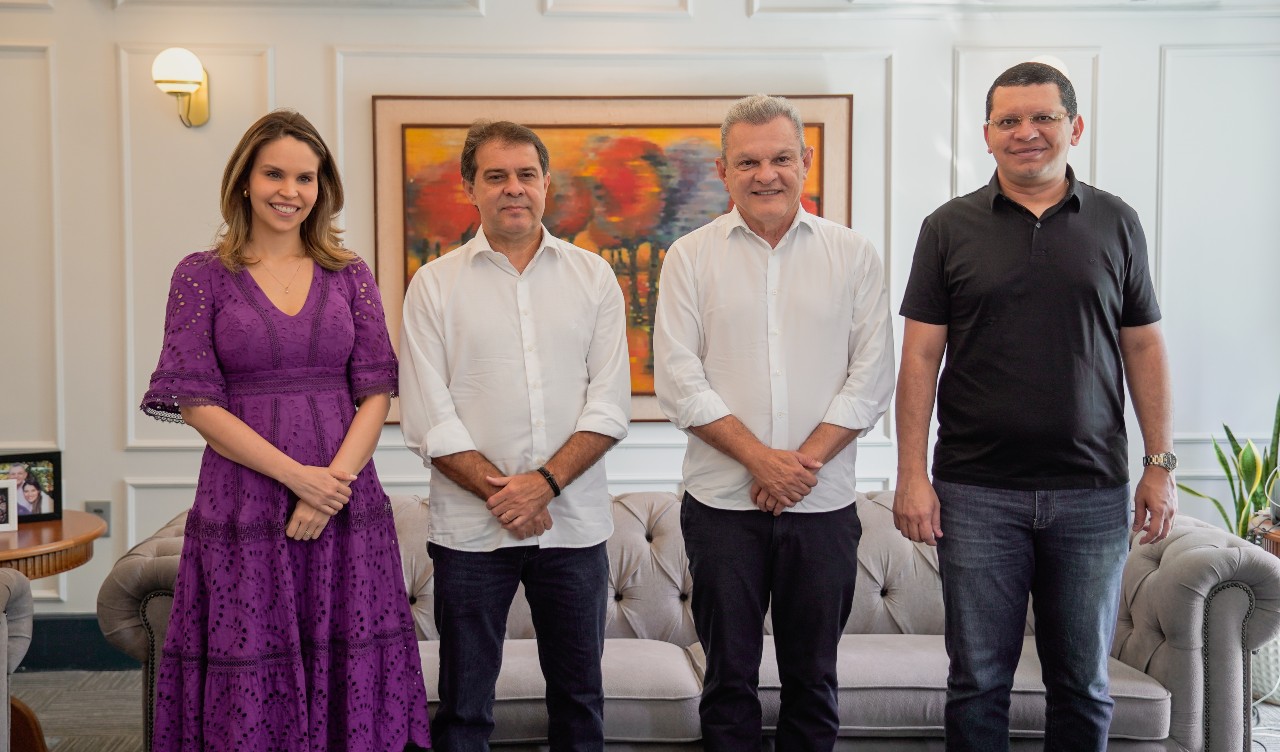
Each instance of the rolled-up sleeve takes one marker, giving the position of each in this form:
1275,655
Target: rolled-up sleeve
679,378
864,398
608,407
428,418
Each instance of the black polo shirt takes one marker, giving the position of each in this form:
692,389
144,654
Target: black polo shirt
1031,394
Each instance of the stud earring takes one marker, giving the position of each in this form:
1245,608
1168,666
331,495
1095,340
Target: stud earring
245,193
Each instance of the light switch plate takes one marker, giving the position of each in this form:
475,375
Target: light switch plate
103,510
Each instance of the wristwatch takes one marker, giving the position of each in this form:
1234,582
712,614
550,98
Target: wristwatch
1167,460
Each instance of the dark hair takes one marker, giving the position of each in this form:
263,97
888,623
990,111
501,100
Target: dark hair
760,109
320,238
484,131
1032,74
32,482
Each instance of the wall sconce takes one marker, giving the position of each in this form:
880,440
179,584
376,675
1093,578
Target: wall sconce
178,71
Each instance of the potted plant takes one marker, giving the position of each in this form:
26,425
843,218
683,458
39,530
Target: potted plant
1252,476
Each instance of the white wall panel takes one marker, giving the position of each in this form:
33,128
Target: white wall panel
1220,261
30,305
657,8
171,183
152,502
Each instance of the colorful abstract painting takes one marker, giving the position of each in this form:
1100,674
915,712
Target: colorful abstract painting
626,193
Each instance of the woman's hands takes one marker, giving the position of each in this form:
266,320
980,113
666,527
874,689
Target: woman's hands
322,492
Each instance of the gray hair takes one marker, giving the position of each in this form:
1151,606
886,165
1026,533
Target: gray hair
758,110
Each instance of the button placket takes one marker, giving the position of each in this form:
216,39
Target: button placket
532,368
777,373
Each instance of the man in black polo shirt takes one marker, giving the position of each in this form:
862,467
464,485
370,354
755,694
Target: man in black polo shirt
1037,289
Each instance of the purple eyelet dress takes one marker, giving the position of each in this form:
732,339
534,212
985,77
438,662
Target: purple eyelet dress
276,644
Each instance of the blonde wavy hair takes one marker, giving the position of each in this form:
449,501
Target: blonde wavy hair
320,238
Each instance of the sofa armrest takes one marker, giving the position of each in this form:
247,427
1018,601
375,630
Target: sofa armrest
1192,608
129,618
16,612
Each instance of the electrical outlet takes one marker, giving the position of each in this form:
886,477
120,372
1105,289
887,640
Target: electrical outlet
103,510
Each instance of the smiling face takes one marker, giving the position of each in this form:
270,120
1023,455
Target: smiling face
282,186
18,473
31,492
1029,157
510,190
763,168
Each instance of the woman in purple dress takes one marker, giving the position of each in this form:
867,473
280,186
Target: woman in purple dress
291,629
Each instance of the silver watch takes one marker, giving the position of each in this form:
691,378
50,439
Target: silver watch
1167,460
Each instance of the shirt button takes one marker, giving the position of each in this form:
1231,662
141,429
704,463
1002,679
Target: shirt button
777,373
1037,225
537,424
779,415
529,348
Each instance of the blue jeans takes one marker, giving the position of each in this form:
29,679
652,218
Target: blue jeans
566,589
807,565
1066,549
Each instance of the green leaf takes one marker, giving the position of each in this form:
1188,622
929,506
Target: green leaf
1231,437
1275,434
1226,470
1250,470
1226,519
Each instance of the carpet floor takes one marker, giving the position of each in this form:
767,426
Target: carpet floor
101,711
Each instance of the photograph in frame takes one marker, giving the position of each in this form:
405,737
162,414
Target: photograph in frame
8,506
38,476
629,176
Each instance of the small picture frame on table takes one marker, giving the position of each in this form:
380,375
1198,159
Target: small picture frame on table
38,477
8,506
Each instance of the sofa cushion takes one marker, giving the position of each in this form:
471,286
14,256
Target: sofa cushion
896,685
650,686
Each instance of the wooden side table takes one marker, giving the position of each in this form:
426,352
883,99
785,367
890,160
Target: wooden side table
43,549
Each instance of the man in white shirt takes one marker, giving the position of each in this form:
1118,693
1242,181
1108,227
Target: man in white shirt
514,382
774,351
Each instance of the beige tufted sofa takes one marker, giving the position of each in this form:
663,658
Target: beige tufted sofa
1193,606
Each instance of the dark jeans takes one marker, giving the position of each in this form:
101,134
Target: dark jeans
1066,549
566,589
807,564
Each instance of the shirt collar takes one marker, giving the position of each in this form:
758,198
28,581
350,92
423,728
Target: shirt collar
480,244
735,220
1074,195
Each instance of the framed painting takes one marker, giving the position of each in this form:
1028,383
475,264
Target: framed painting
629,176
37,479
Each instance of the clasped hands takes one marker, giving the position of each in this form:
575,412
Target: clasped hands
322,492
519,502
781,478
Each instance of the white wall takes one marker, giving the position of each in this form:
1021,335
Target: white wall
103,190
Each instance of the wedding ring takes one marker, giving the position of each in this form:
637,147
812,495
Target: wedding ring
306,534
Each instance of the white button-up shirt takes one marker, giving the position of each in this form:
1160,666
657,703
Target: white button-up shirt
511,365
782,338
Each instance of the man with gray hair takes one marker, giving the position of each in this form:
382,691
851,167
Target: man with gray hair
773,351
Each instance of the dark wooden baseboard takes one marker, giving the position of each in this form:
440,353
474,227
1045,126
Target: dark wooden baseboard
72,642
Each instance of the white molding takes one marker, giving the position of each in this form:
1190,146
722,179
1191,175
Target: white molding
29,446
132,484
1168,52
635,8
56,594
28,4
944,9
55,239
435,7
123,53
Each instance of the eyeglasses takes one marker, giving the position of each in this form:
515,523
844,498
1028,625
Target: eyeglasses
1040,121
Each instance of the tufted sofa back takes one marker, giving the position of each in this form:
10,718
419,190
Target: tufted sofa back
898,592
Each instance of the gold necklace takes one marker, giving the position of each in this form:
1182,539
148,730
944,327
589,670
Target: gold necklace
277,279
